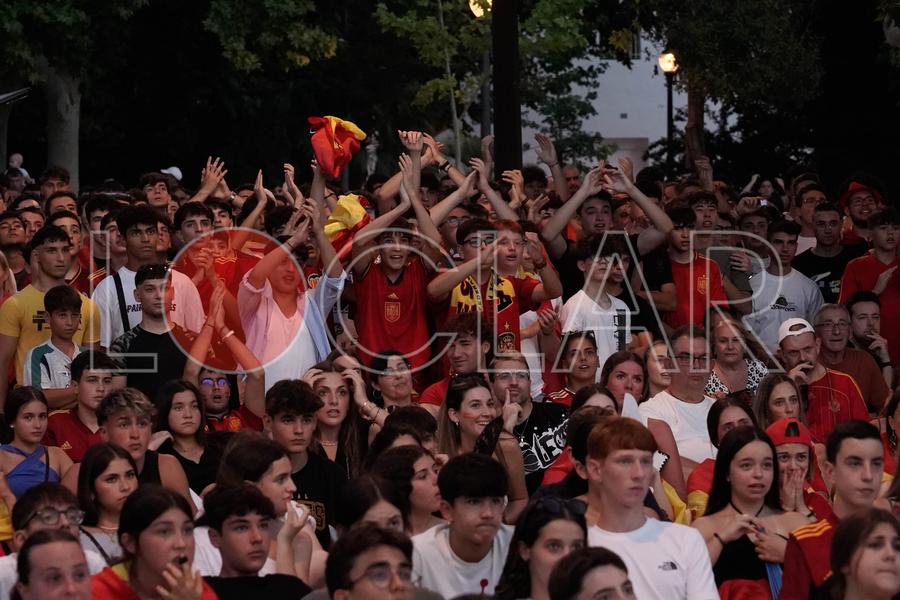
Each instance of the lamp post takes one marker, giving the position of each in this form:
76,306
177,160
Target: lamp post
479,8
669,65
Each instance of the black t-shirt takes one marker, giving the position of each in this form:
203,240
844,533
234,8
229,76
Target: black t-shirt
657,268
572,277
826,271
199,475
152,358
542,438
642,317
318,484
270,586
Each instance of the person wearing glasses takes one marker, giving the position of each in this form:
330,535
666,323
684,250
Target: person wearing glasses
108,476
44,507
833,327
371,563
540,427
241,524
684,405
548,529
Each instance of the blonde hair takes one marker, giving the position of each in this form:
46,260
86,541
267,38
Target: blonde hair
8,287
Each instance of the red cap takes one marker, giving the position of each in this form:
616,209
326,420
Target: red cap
778,431
854,187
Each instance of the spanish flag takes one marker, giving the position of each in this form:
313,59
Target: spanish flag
348,217
334,142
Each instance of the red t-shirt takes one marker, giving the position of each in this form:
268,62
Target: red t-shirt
235,420
436,392
505,308
393,314
563,396
833,398
861,274
807,559
691,281
65,430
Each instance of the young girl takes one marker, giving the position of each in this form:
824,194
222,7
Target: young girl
777,397
369,499
182,415
659,368
338,429
108,476
51,564
25,460
865,557
468,409
255,459
413,472
547,530
745,527
156,533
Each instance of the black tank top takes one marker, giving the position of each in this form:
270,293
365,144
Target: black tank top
738,560
150,472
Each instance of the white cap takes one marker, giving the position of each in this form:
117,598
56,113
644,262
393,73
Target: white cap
173,171
793,327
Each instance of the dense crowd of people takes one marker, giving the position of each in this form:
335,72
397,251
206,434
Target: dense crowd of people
554,383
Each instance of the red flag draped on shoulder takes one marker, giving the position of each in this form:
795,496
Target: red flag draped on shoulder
334,142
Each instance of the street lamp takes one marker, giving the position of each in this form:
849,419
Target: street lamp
479,8
669,65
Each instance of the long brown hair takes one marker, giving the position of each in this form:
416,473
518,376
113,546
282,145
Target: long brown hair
448,436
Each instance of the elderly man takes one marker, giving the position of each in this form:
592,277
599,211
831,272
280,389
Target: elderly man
831,397
865,330
833,328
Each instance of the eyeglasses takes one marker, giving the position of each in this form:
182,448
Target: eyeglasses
476,242
50,516
455,221
839,325
557,506
399,370
508,375
221,381
380,575
688,359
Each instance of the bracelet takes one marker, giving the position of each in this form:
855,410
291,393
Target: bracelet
886,364
228,335
208,324
539,267
811,514
721,541
444,166
553,165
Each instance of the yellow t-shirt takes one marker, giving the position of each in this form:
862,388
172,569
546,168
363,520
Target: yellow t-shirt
22,316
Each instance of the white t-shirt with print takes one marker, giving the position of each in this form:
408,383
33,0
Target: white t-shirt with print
665,561
611,326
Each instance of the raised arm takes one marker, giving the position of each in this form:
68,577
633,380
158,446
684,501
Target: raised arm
550,286
443,284
442,209
240,236
365,237
616,181
552,232
261,271
411,167
210,179
495,199
546,152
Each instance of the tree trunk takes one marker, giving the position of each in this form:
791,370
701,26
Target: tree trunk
694,145
63,113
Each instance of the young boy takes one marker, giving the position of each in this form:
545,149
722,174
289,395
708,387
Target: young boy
594,308
466,555
76,429
370,563
241,523
47,365
665,561
855,464
291,407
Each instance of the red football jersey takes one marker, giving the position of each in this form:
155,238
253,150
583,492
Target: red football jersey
692,281
392,315
503,312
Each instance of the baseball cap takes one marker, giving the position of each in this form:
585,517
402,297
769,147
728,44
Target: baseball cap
173,171
856,186
789,431
793,327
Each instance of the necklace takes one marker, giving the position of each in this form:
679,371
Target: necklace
328,444
738,511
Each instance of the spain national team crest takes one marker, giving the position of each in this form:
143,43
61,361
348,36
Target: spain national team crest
391,312
701,284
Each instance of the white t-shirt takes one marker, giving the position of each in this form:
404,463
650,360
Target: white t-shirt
804,243
9,574
443,572
187,311
208,560
47,367
611,326
665,561
777,299
688,423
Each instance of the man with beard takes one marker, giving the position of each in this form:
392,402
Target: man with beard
540,427
860,201
865,330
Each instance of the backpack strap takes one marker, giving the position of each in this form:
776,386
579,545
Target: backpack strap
123,308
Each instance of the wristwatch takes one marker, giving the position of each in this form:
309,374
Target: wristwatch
444,166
